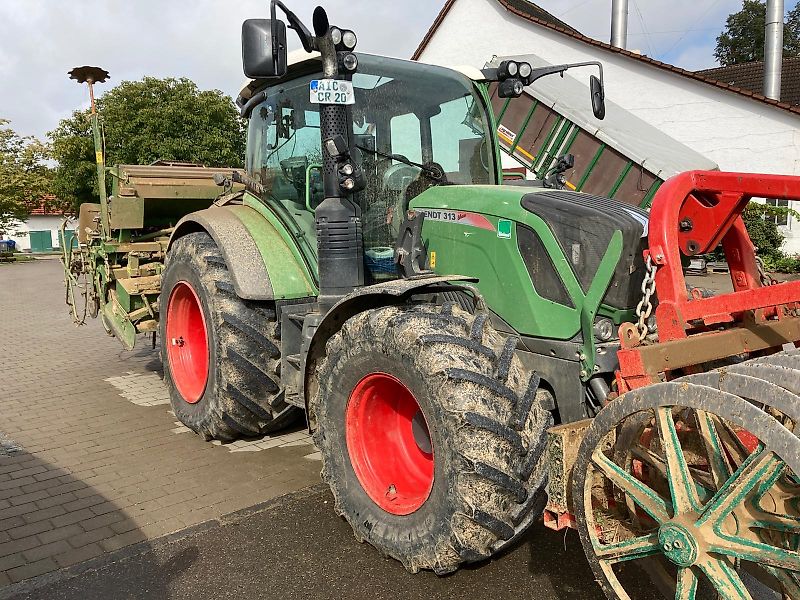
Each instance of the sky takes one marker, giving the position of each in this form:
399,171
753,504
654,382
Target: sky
40,40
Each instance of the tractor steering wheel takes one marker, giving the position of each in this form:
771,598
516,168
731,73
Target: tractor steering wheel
396,175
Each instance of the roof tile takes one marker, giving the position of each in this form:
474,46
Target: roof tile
750,76
45,207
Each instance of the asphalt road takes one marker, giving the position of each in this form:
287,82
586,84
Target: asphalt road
295,547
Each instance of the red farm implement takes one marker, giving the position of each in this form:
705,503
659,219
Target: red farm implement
691,471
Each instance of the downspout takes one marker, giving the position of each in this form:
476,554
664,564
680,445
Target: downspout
773,49
619,23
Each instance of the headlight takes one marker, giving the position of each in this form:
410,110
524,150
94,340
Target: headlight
350,40
350,62
508,69
525,70
604,329
336,36
510,88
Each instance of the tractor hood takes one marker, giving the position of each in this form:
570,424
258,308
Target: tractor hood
551,227
583,225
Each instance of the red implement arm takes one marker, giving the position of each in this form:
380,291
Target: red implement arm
693,213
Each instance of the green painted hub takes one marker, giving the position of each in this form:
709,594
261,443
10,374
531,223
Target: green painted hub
677,544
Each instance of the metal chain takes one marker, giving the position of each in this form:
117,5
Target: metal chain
645,307
766,278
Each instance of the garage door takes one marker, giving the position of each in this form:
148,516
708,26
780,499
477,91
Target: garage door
41,241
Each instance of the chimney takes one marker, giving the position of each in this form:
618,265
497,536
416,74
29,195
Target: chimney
619,23
773,49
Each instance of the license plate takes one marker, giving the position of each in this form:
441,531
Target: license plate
332,91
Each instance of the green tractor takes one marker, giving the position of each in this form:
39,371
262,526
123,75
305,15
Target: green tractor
397,306
452,340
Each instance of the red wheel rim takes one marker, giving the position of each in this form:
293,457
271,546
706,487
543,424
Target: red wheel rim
389,444
187,342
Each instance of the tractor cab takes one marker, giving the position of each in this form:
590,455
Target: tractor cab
413,127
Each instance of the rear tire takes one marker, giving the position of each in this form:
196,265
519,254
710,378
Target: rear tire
484,423
241,396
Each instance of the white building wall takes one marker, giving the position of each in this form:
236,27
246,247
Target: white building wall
737,133
52,223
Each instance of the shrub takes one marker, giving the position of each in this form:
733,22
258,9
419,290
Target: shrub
767,238
764,233
782,264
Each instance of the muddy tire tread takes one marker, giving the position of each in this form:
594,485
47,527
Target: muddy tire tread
487,393
246,347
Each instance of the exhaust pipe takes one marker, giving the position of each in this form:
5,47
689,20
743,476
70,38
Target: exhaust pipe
773,49
619,23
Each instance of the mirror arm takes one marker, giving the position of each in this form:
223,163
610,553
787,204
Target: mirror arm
309,41
590,63
544,71
540,72
490,74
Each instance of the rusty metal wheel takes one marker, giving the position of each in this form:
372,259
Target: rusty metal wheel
696,486
76,277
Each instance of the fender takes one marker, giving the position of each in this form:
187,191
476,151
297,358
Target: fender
367,298
262,264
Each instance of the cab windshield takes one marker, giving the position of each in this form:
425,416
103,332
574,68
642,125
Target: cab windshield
425,114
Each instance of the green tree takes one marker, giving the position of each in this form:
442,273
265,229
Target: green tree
24,175
764,233
743,38
145,121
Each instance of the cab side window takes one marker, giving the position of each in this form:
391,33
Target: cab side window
284,146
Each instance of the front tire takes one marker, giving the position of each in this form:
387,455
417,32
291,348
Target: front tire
221,354
431,435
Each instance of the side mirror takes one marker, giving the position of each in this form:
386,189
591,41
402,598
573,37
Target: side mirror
264,48
598,97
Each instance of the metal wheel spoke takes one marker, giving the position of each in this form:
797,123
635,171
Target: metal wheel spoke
627,550
774,522
684,493
654,460
731,515
653,504
760,467
732,444
721,469
687,585
725,580
757,552
788,581
789,490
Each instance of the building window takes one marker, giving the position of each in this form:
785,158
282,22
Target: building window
781,219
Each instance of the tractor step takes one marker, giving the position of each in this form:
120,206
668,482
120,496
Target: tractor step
295,338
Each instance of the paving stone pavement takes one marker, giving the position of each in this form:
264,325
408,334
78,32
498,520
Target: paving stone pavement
91,458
